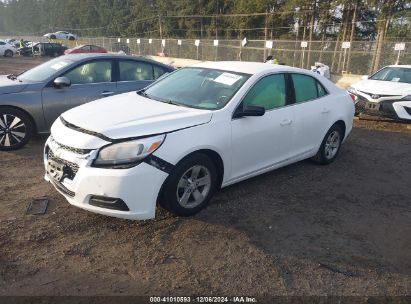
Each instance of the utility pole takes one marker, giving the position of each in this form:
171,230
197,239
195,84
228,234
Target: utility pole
265,34
160,27
354,18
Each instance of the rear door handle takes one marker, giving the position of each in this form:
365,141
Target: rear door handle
286,122
325,111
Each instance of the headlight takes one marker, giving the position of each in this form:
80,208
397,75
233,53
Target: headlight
352,90
128,153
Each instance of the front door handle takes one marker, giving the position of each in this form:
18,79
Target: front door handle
325,111
107,93
286,122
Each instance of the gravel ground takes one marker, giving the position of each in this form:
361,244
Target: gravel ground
342,229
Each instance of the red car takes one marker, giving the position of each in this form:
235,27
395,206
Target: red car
86,49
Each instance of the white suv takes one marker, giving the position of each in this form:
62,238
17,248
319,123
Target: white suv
196,130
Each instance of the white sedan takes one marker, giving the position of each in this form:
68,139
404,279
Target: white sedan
61,35
7,49
192,132
385,93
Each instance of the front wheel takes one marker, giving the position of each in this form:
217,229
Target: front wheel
330,146
16,129
190,186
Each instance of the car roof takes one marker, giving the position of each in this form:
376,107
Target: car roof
85,56
247,67
399,66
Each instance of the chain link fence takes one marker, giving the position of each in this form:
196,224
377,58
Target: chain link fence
358,59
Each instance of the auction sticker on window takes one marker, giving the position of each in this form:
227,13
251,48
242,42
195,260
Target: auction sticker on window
59,65
227,78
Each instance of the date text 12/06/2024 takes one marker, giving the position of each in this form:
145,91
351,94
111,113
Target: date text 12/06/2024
203,299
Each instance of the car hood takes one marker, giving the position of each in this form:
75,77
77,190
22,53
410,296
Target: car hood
131,115
8,86
380,87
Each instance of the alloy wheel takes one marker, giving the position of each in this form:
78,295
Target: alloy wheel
12,130
193,186
332,144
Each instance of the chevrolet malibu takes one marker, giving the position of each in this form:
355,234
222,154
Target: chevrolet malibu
192,132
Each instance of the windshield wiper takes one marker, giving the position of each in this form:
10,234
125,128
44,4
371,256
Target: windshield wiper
174,103
143,93
12,77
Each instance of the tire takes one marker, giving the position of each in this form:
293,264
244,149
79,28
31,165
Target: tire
185,196
72,38
330,146
52,36
16,129
8,53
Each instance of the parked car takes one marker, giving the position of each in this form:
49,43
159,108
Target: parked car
6,49
86,49
196,130
385,93
31,101
43,49
61,35
120,47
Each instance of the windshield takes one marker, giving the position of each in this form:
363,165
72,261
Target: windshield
44,71
197,88
396,74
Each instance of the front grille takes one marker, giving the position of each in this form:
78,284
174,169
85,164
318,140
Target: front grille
370,94
70,169
71,149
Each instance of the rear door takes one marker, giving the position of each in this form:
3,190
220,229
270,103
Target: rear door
90,80
313,112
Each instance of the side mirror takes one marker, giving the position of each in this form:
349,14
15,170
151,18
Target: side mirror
365,77
62,82
249,111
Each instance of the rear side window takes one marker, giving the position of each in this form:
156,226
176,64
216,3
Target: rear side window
158,71
307,88
134,70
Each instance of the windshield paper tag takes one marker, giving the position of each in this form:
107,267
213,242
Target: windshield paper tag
395,79
227,78
59,65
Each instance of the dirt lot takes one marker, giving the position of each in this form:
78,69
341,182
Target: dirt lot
342,229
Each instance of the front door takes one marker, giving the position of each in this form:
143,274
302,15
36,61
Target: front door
265,141
89,81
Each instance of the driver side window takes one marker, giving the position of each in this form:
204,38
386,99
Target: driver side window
91,72
269,92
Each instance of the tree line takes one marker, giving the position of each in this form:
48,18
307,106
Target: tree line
222,19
